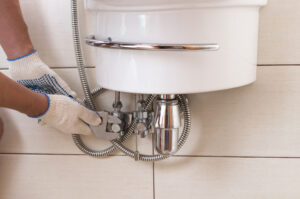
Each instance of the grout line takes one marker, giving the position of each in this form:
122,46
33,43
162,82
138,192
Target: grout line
153,173
242,157
55,154
58,67
153,164
278,65
75,67
153,168
174,156
70,67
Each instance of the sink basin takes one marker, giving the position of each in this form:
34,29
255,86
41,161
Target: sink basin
232,25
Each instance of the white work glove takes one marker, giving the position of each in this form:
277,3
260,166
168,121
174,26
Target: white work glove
32,72
68,116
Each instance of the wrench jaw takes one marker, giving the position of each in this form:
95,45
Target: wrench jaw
111,128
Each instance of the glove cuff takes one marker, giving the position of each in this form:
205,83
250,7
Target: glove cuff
26,61
22,57
39,116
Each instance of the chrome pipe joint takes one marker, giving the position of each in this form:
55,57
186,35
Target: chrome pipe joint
164,121
167,124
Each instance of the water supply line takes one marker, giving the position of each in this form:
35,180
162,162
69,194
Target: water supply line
84,82
117,143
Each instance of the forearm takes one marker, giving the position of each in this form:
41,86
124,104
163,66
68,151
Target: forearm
18,97
14,37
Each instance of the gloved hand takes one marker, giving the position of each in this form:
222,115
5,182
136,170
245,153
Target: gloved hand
33,73
68,116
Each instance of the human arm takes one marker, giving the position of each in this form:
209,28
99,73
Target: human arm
58,111
16,43
14,36
17,97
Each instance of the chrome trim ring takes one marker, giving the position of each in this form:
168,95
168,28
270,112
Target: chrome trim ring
92,41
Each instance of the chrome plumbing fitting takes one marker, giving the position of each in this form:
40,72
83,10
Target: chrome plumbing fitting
167,124
164,122
143,117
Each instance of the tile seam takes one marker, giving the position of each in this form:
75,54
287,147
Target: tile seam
237,157
75,67
55,154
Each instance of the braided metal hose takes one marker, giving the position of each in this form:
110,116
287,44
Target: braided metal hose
84,82
79,55
185,133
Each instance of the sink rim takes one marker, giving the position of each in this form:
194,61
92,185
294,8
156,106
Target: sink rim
161,5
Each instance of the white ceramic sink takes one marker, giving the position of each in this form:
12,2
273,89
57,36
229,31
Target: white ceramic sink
232,24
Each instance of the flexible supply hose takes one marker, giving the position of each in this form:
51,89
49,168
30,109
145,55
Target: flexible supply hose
117,144
82,74
79,55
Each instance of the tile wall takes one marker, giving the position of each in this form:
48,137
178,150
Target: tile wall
245,142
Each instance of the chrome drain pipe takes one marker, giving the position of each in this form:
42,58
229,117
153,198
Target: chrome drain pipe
166,124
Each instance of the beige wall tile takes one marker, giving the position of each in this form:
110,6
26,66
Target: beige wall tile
49,24
257,120
75,177
3,63
279,33
227,178
24,135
